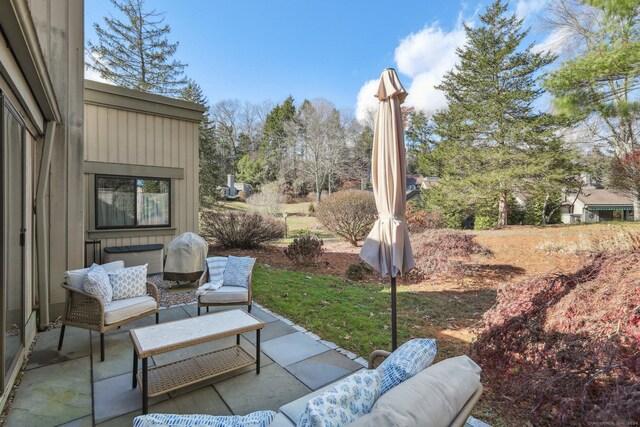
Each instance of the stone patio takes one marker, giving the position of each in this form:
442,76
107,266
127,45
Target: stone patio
73,388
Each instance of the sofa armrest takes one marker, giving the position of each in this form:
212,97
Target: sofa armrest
152,290
377,357
83,310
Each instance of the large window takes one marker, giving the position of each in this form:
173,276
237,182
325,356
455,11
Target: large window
129,202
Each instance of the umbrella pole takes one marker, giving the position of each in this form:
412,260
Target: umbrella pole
394,319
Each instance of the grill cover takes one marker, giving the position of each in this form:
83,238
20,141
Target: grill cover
186,258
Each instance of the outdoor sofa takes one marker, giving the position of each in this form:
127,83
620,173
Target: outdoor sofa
441,395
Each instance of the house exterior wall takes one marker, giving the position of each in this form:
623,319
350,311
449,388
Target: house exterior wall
60,27
131,133
41,73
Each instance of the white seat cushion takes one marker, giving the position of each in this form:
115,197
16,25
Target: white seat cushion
226,294
125,308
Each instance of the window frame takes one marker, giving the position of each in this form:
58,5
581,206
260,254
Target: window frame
135,204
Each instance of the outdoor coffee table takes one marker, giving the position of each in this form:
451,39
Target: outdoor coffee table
157,339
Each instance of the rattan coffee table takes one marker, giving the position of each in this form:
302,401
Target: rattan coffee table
157,339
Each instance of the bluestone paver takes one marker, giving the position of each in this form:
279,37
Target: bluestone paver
321,369
292,348
77,343
270,331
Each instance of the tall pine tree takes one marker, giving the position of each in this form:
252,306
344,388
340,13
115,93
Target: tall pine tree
135,52
211,174
490,133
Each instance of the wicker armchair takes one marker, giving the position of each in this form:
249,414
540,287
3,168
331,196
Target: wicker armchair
222,298
86,311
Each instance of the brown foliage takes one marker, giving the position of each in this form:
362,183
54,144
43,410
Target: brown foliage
419,220
443,251
350,214
568,347
240,229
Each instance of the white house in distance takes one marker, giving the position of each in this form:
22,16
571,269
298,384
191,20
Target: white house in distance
596,205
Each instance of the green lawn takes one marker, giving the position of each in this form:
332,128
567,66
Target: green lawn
357,316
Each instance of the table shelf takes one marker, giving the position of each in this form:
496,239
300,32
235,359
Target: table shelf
172,376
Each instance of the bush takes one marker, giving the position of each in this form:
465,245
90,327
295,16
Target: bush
442,251
349,214
356,272
305,250
269,201
245,230
483,222
566,347
420,220
312,209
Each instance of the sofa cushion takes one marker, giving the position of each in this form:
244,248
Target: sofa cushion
431,398
226,294
293,410
344,402
238,271
255,419
96,282
75,278
281,420
123,309
129,282
406,361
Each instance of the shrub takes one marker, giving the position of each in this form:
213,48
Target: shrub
442,251
305,249
356,272
245,230
349,214
420,220
483,222
312,209
269,201
566,347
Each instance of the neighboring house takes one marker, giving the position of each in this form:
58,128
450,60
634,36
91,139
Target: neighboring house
233,188
141,166
596,205
417,182
53,185
41,79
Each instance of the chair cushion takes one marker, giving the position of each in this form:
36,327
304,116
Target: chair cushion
432,398
216,266
344,402
123,309
129,282
281,420
75,278
238,271
409,359
96,282
226,294
255,419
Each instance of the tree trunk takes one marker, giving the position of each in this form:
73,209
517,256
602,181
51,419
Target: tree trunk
544,209
636,208
503,209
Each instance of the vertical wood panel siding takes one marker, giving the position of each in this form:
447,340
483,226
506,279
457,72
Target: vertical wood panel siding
118,136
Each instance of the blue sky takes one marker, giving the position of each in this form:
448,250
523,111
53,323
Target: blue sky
267,50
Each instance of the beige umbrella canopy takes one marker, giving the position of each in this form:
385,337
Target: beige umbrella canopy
387,247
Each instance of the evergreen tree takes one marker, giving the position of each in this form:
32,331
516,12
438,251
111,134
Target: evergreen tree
211,174
135,52
275,139
601,83
490,133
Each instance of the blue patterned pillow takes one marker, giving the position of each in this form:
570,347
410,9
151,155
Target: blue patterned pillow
255,419
237,271
343,403
409,359
129,282
96,282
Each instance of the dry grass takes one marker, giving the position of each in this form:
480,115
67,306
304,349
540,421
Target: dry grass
593,242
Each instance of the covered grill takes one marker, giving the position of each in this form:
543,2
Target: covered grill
186,258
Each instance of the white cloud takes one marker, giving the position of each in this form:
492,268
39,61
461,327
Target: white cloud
367,101
555,41
90,73
424,57
526,8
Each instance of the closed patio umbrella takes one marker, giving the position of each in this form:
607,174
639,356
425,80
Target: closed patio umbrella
387,248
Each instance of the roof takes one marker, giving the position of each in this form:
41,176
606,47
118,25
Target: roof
604,196
415,179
